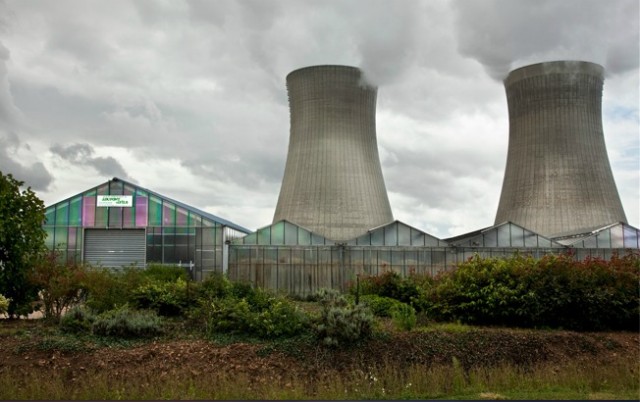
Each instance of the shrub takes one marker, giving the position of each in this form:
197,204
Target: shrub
410,290
341,323
404,316
554,291
59,283
214,286
127,323
4,304
166,298
272,317
165,273
380,306
109,289
77,320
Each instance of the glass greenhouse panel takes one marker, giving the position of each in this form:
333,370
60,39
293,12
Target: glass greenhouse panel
264,236
168,214
604,239
404,235
304,237
62,214
617,236
277,233
155,211
290,234
50,215
75,211
631,238
504,236
391,236
490,239
182,217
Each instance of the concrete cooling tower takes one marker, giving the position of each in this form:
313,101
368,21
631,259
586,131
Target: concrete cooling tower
558,179
333,182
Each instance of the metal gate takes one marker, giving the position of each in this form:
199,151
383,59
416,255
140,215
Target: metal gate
115,248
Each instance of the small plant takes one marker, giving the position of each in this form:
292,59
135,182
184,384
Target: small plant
166,298
404,316
59,282
127,323
341,323
165,273
4,304
380,306
77,320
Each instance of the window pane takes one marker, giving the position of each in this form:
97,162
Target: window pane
604,239
377,237
168,214
631,238
404,235
75,208
62,214
264,236
490,239
277,233
290,234
50,215
304,237
101,216
417,238
617,237
391,236
115,217
61,238
181,216
504,237
155,211
88,211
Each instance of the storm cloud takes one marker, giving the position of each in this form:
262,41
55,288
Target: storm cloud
189,97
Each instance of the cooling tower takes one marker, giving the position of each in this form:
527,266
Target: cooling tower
333,182
558,179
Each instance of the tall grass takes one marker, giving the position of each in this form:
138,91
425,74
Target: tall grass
618,380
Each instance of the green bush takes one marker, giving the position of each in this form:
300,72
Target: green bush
404,316
271,317
109,289
214,286
166,298
77,320
380,306
411,290
127,323
341,323
165,273
554,291
4,304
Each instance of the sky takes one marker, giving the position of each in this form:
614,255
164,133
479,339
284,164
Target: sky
188,98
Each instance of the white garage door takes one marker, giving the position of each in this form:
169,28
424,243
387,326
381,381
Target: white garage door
115,247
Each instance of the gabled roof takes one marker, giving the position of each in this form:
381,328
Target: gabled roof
205,214
503,235
397,233
614,235
283,233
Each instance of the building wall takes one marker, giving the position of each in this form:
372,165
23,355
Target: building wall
174,234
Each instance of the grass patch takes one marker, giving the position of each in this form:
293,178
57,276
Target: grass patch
572,381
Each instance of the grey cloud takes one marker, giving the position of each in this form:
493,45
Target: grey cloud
513,33
82,154
34,175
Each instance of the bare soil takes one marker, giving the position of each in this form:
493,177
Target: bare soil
22,351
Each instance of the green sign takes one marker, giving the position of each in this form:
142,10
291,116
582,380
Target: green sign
114,201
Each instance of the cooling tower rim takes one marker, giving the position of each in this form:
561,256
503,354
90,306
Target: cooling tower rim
555,67
325,67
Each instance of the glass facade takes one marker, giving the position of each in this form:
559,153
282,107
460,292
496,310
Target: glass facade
284,257
175,233
505,235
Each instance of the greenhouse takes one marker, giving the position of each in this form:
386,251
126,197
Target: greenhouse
120,224
286,257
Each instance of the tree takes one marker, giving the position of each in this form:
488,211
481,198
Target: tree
21,243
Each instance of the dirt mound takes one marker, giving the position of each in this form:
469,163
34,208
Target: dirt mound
477,347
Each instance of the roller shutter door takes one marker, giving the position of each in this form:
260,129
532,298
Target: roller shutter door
114,248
